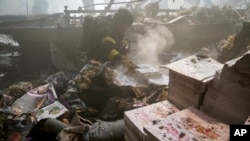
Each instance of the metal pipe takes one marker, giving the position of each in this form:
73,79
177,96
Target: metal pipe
112,3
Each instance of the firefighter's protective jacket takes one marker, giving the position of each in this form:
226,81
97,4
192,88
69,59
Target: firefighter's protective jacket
103,41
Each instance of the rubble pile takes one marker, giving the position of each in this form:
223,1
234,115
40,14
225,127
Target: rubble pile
98,95
216,15
19,89
236,45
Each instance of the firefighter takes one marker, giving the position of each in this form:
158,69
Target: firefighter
103,37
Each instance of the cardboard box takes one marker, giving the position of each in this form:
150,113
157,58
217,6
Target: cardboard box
188,124
137,118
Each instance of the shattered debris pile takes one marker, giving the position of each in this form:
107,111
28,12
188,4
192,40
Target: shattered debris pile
34,100
98,93
19,89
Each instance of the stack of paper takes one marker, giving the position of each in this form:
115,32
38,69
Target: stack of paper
137,118
227,97
188,79
189,124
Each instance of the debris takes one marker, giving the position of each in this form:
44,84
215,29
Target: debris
17,90
58,80
107,131
55,130
203,53
193,60
17,128
71,100
53,110
162,81
148,72
46,129
121,79
34,99
5,100
228,44
14,137
236,45
78,130
6,110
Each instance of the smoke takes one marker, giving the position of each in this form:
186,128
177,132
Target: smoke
20,7
151,45
12,7
57,6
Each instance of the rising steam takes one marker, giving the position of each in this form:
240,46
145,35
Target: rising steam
151,45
